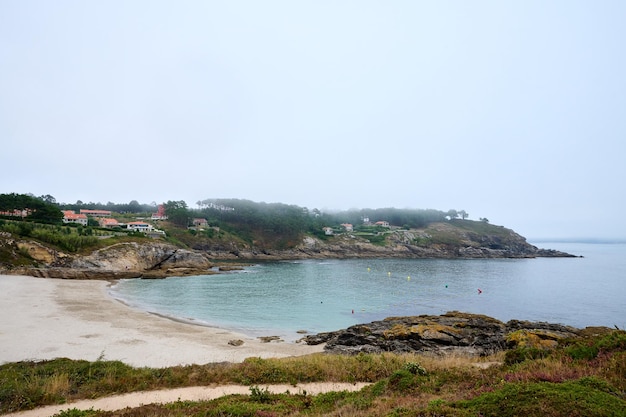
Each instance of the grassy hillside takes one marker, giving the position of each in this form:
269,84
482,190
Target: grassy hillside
585,376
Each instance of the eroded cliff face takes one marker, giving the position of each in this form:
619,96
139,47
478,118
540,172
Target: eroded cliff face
122,260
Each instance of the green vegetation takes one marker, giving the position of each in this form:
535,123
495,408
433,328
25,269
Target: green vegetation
69,238
42,210
282,226
481,227
230,223
560,382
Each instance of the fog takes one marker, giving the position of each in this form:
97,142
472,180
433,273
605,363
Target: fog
511,112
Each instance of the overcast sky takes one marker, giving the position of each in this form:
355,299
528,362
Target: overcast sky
513,111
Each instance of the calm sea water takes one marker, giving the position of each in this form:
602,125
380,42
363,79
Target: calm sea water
280,298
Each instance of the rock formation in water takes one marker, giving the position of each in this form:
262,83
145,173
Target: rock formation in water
464,333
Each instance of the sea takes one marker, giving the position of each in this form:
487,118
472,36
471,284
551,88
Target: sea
289,298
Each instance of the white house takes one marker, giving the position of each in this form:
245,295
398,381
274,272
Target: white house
140,227
382,223
70,217
328,231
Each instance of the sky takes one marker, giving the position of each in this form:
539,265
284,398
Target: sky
511,111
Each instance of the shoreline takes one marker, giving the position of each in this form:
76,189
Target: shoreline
238,333
48,318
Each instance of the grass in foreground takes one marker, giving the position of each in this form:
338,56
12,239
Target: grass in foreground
583,377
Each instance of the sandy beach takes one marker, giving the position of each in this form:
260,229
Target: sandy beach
43,318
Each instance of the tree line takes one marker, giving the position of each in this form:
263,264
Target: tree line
271,224
13,201
34,209
281,224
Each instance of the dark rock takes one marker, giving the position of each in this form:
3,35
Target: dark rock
466,333
268,339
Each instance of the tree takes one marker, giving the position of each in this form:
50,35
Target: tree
134,206
48,199
177,212
46,213
463,214
38,210
453,214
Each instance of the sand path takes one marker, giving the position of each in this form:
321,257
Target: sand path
184,394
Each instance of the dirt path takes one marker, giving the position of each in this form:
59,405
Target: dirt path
137,399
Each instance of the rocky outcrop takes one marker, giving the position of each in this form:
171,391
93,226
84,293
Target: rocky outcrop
156,259
399,243
471,334
133,256
122,260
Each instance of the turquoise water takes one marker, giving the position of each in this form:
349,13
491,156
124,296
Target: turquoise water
280,298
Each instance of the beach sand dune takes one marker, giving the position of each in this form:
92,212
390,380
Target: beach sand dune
43,318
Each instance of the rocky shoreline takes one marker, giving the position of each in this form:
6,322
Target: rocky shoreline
453,332
158,259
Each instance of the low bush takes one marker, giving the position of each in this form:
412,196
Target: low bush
522,354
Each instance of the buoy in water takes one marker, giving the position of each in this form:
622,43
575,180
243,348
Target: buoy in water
480,291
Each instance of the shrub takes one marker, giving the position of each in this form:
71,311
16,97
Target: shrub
613,341
402,381
415,368
572,398
582,351
260,395
522,354
74,412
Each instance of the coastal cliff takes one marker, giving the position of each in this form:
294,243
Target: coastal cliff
151,259
156,258
438,240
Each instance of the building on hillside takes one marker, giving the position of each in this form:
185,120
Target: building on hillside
145,228
328,231
155,233
347,227
160,214
382,223
108,222
139,227
96,213
16,213
70,217
200,223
